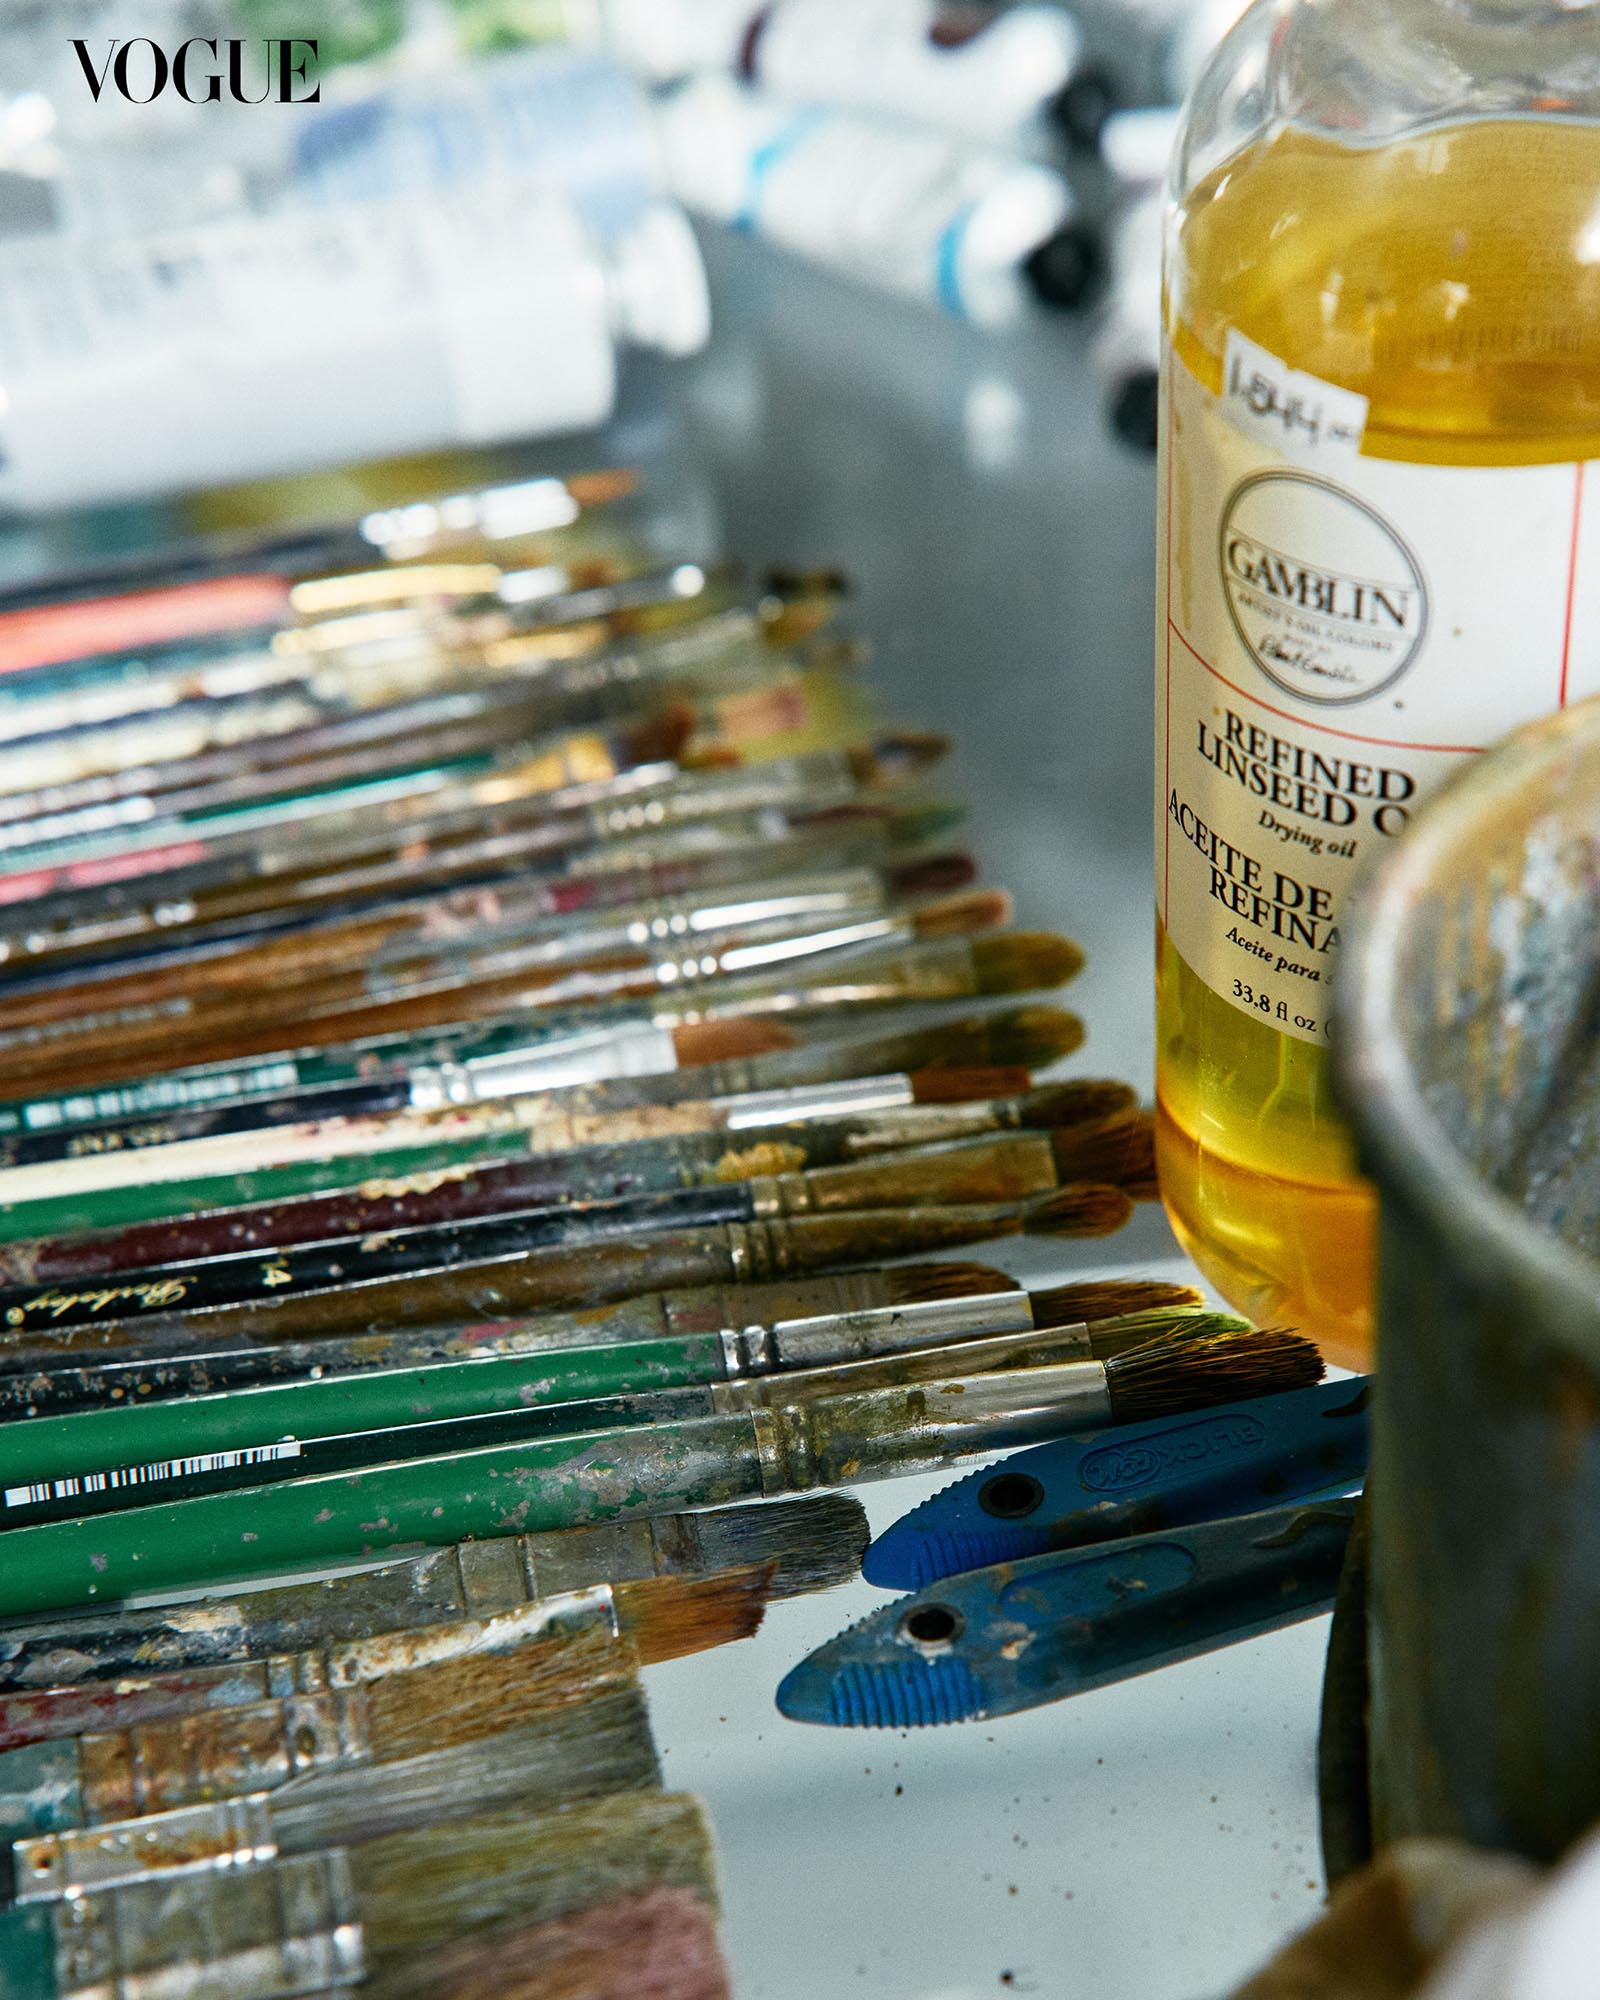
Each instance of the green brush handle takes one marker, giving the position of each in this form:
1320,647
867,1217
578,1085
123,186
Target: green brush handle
42,1448
28,1953
502,1490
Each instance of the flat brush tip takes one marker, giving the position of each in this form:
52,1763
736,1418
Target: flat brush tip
933,874
811,1543
1083,1101
980,1084
1025,961
1167,1376
668,1616
1084,1210
922,1284
1033,1036
1119,1148
960,916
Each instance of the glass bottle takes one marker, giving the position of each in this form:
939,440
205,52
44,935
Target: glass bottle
1380,547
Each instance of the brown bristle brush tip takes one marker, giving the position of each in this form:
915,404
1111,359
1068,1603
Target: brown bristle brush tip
669,1616
1032,1036
1024,961
898,756
1165,1377
810,1543
962,915
1108,1298
1120,1149
658,1946
702,1042
1084,1101
661,737
980,1084
1083,1209
922,1284
418,1890
933,874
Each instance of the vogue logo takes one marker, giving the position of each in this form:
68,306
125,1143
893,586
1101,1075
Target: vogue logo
202,72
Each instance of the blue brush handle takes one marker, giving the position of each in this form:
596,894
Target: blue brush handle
1129,1479
1015,1636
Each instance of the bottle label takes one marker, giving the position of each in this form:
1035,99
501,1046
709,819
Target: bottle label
1336,634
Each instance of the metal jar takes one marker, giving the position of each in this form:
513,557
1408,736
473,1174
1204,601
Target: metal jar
1467,1047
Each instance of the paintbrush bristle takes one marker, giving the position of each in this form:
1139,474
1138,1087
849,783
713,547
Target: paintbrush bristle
933,874
898,756
659,1946
961,915
701,1042
1032,1036
1140,1329
590,1752
417,1890
1173,1374
669,1616
1107,1298
1082,1101
1024,961
455,1700
809,1544
981,1083
1081,1210
1119,1149
661,738
922,1284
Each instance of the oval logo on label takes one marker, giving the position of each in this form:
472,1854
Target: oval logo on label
1326,596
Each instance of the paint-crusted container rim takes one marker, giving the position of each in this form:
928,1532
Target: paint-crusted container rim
1402,1142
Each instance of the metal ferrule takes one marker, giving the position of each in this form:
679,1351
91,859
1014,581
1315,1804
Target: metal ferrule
831,1338
755,1252
935,1366
387,1653
227,1833
260,1934
713,1308
849,1098
840,1439
935,1124
157,1767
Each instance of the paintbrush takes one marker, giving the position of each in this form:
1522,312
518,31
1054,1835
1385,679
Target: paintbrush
657,1618
854,967
1008,1168
68,1468
577,1712
41,1384
536,516
477,1157
89,1461
803,1545
466,833
527,1768
997,1641
511,1165
582,1479
1131,1481
624,1060
600,964
318,1922
658,1946
587,1269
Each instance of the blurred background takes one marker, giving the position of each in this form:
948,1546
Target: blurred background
869,285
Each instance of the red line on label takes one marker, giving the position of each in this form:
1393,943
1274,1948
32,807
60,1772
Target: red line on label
1572,586
1166,741
1288,715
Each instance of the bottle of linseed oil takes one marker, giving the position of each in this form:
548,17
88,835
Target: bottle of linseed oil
1379,548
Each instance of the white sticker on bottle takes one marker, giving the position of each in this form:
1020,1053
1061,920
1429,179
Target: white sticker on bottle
1336,635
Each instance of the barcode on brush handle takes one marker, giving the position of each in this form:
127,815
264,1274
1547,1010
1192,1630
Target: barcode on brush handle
147,1475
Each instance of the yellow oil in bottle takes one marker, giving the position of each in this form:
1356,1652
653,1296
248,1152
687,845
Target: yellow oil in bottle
1454,281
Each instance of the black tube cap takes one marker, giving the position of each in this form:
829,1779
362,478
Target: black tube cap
1082,106
1066,268
1136,407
